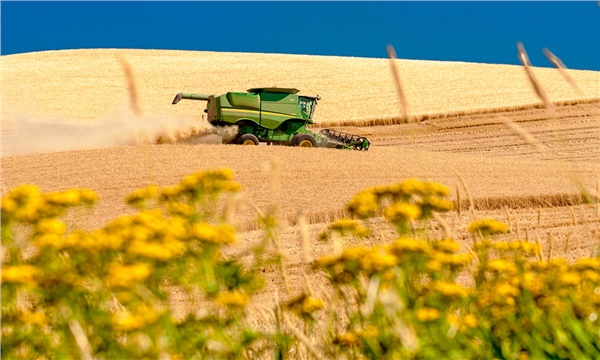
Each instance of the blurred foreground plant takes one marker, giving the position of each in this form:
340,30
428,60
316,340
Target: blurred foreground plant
107,293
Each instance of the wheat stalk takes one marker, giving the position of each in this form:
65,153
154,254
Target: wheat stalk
537,87
464,185
458,204
303,339
131,86
304,240
562,69
524,134
396,76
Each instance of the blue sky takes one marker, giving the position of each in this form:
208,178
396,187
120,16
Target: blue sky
484,32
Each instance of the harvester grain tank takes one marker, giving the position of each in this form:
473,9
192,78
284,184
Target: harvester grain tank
273,115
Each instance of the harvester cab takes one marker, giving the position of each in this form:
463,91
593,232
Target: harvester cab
273,115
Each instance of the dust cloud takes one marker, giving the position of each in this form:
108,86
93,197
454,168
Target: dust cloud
27,134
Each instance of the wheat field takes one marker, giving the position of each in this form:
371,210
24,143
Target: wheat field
67,122
90,85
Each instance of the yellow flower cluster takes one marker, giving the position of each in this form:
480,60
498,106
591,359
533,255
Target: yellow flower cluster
468,321
20,274
125,276
34,318
368,260
407,245
427,314
448,246
522,248
449,289
345,339
454,262
202,183
305,305
346,226
402,212
411,199
214,234
26,203
180,209
487,226
363,205
410,187
234,298
502,266
128,321
140,196
149,234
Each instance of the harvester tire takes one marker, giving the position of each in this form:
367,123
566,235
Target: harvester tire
248,139
303,140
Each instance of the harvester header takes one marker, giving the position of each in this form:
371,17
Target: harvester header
273,115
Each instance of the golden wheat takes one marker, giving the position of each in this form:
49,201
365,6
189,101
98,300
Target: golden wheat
88,86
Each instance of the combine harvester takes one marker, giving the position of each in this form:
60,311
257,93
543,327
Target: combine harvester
273,115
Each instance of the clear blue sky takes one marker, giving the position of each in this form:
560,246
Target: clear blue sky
460,31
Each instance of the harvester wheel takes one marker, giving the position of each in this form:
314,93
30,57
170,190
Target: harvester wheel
303,140
248,139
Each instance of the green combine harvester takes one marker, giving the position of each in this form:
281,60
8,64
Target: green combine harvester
273,115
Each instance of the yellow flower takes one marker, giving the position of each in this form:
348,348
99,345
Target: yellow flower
169,193
9,205
506,290
470,320
345,339
72,197
127,321
502,266
181,209
159,250
369,332
412,186
328,260
570,278
233,299
20,274
216,234
363,205
376,260
454,260
402,213
305,305
437,204
588,263
355,253
127,275
591,275
51,240
212,181
25,201
51,226
346,226
139,196
449,289
34,318
434,265
449,246
427,314
311,304
488,227
408,245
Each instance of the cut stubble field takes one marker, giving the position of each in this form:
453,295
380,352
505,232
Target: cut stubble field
460,140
